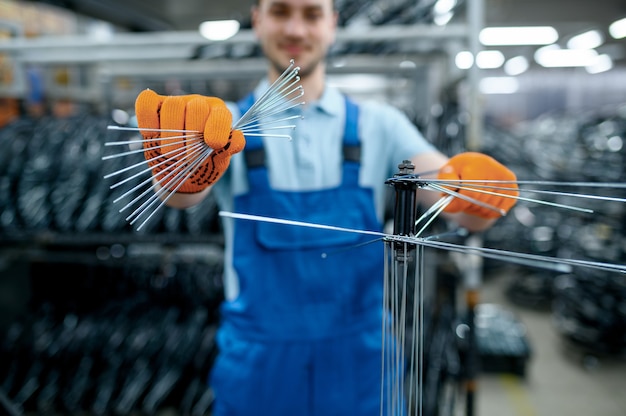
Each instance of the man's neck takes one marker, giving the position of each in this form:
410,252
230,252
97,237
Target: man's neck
313,87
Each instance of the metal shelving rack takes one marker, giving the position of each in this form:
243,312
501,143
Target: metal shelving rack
99,65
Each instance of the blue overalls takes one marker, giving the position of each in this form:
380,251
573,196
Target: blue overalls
303,338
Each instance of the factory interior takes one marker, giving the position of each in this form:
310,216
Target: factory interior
102,313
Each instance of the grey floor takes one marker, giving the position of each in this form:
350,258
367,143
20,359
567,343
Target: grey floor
560,379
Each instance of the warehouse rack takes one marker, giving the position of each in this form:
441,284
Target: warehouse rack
102,67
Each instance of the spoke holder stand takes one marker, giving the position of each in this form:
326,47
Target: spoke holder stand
408,260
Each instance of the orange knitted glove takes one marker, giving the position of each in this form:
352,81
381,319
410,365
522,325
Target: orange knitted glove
472,166
203,119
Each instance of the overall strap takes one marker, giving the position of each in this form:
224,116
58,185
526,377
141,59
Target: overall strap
254,152
351,144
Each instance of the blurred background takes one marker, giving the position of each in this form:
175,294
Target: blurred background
97,317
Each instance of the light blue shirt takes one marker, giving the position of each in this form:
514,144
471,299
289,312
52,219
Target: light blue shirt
312,160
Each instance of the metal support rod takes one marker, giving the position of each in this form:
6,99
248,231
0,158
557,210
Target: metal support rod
475,10
472,270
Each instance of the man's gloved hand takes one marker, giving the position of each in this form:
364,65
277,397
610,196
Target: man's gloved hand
205,119
472,166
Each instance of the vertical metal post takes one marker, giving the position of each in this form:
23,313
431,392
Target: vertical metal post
472,270
475,13
472,267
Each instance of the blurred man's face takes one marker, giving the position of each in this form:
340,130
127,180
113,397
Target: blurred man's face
302,30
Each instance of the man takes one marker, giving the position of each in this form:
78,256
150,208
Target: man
301,334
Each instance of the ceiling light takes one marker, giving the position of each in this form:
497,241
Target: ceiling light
617,29
443,11
100,31
516,65
489,59
359,83
464,60
554,57
602,63
444,6
518,35
588,40
443,19
498,85
219,29
407,65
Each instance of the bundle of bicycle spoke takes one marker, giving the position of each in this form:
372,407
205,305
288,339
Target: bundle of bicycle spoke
146,198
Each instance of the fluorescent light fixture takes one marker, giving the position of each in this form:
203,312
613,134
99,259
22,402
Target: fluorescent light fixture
489,59
518,35
464,60
554,57
615,143
407,65
588,40
443,11
498,85
617,29
442,19
100,31
444,6
516,65
359,83
219,29
601,64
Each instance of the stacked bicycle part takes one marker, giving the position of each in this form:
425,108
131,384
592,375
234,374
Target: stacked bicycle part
51,182
128,326
134,339
587,305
